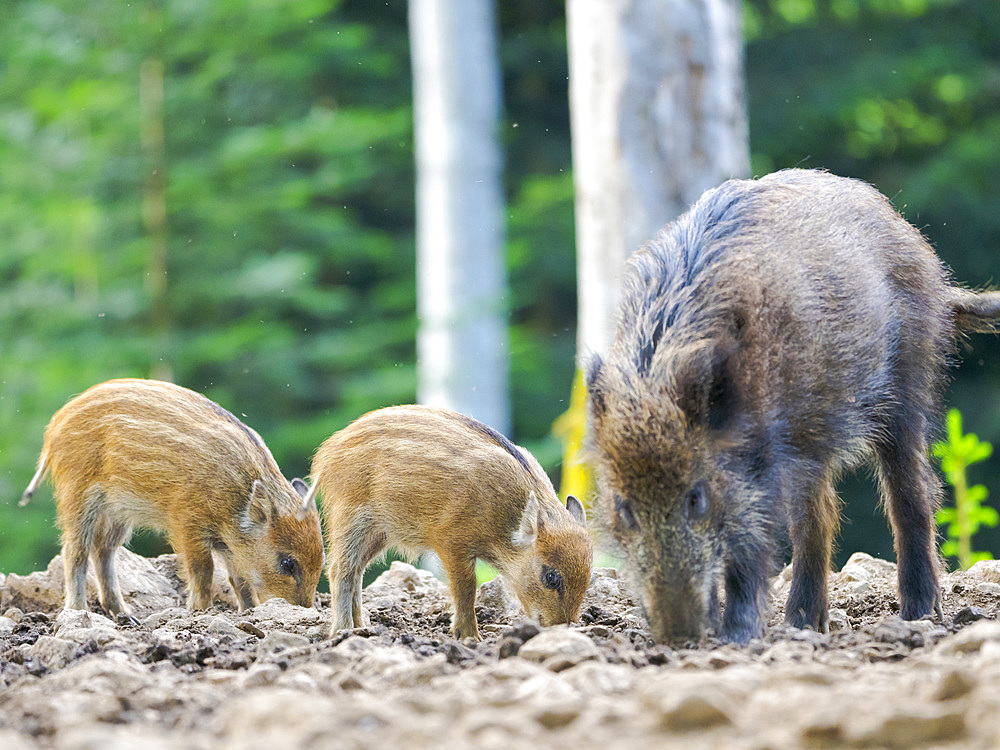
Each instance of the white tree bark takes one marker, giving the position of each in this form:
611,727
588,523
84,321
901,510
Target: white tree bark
658,116
461,282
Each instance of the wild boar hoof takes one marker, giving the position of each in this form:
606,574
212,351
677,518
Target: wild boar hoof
914,609
741,635
818,620
463,634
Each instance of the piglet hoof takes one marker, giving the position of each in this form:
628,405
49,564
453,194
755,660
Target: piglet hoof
340,634
463,634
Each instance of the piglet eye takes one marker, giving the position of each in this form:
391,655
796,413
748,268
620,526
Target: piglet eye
697,502
551,578
623,512
288,565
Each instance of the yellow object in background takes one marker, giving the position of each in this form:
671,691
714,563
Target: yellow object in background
570,427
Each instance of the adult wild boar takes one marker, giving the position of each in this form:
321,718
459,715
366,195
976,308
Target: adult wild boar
781,331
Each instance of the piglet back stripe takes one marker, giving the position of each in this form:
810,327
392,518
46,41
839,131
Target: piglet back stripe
490,434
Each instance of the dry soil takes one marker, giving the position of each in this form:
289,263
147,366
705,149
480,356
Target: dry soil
271,678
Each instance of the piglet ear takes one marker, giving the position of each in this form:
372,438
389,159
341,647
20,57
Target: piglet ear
527,531
260,508
575,508
308,495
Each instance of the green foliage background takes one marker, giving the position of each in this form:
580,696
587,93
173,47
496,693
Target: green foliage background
289,295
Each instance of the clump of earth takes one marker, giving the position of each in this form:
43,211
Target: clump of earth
270,677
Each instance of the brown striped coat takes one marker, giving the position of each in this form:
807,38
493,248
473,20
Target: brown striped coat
144,453
417,478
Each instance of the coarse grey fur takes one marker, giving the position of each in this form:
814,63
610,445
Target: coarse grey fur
781,331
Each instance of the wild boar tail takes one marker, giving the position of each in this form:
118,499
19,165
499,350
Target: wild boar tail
977,312
43,467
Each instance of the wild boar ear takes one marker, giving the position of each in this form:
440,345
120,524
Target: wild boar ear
259,508
705,386
575,508
308,496
527,531
301,487
595,390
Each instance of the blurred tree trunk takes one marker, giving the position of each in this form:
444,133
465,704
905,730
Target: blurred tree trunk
154,210
462,339
657,116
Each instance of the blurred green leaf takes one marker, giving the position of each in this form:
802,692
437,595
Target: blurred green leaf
964,519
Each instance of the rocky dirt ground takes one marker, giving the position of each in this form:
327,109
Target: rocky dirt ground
270,678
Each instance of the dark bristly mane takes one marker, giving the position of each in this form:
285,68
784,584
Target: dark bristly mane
662,279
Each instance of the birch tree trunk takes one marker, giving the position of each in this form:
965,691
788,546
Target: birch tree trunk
154,211
461,284
658,116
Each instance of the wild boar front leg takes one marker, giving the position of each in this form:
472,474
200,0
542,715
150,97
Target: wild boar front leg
814,521
461,570
745,578
244,594
199,569
241,587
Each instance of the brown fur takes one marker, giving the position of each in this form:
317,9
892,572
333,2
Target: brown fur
143,453
416,479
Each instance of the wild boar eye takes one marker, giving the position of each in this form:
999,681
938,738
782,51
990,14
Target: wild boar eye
697,502
626,518
551,578
288,565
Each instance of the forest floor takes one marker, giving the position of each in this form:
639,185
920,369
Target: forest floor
270,678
